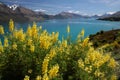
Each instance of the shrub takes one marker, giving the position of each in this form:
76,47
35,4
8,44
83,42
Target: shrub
39,55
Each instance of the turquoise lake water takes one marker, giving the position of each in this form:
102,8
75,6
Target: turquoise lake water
91,26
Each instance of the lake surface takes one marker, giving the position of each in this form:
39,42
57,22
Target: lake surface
91,26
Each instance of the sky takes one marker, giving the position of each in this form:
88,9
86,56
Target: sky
84,7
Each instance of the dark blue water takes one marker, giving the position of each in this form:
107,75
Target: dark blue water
91,26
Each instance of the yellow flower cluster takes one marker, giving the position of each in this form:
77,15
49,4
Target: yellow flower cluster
1,30
38,78
98,73
11,25
14,46
29,31
1,47
52,53
45,40
27,77
94,60
112,63
85,42
113,77
53,71
32,48
45,65
55,36
82,32
68,29
6,42
90,62
45,77
34,30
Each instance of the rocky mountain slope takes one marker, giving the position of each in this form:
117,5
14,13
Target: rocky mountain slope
19,14
113,17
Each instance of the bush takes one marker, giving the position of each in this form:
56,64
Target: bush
39,55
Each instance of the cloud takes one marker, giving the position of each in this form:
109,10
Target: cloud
73,11
107,2
111,12
40,10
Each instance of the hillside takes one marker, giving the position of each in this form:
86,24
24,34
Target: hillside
66,15
109,38
19,13
109,41
113,17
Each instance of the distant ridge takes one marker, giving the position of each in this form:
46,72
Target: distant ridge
113,17
65,15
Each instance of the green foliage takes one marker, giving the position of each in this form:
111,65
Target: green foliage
39,55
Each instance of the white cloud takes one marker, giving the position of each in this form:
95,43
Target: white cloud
73,11
107,2
40,10
111,12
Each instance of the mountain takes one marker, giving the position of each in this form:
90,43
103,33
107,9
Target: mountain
19,13
22,14
112,17
66,15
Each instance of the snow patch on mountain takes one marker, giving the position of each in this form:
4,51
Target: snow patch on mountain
13,7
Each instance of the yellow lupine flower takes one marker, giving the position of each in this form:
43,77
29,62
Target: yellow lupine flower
14,46
26,77
106,57
113,77
55,36
112,63
1,48
91,56
68,29
52,53
85,42
32,48
29,31
38,78
64,43
81,63
45,77
82,32
11,25
34,30
6,42
29,42
21,35
53,71
15,34
1,30
45,66
45,41
88,69
98,73
87,61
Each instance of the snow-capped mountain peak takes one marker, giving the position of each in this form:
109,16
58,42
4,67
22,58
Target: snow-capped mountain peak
13,7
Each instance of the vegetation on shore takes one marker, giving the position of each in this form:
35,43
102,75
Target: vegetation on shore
39,55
